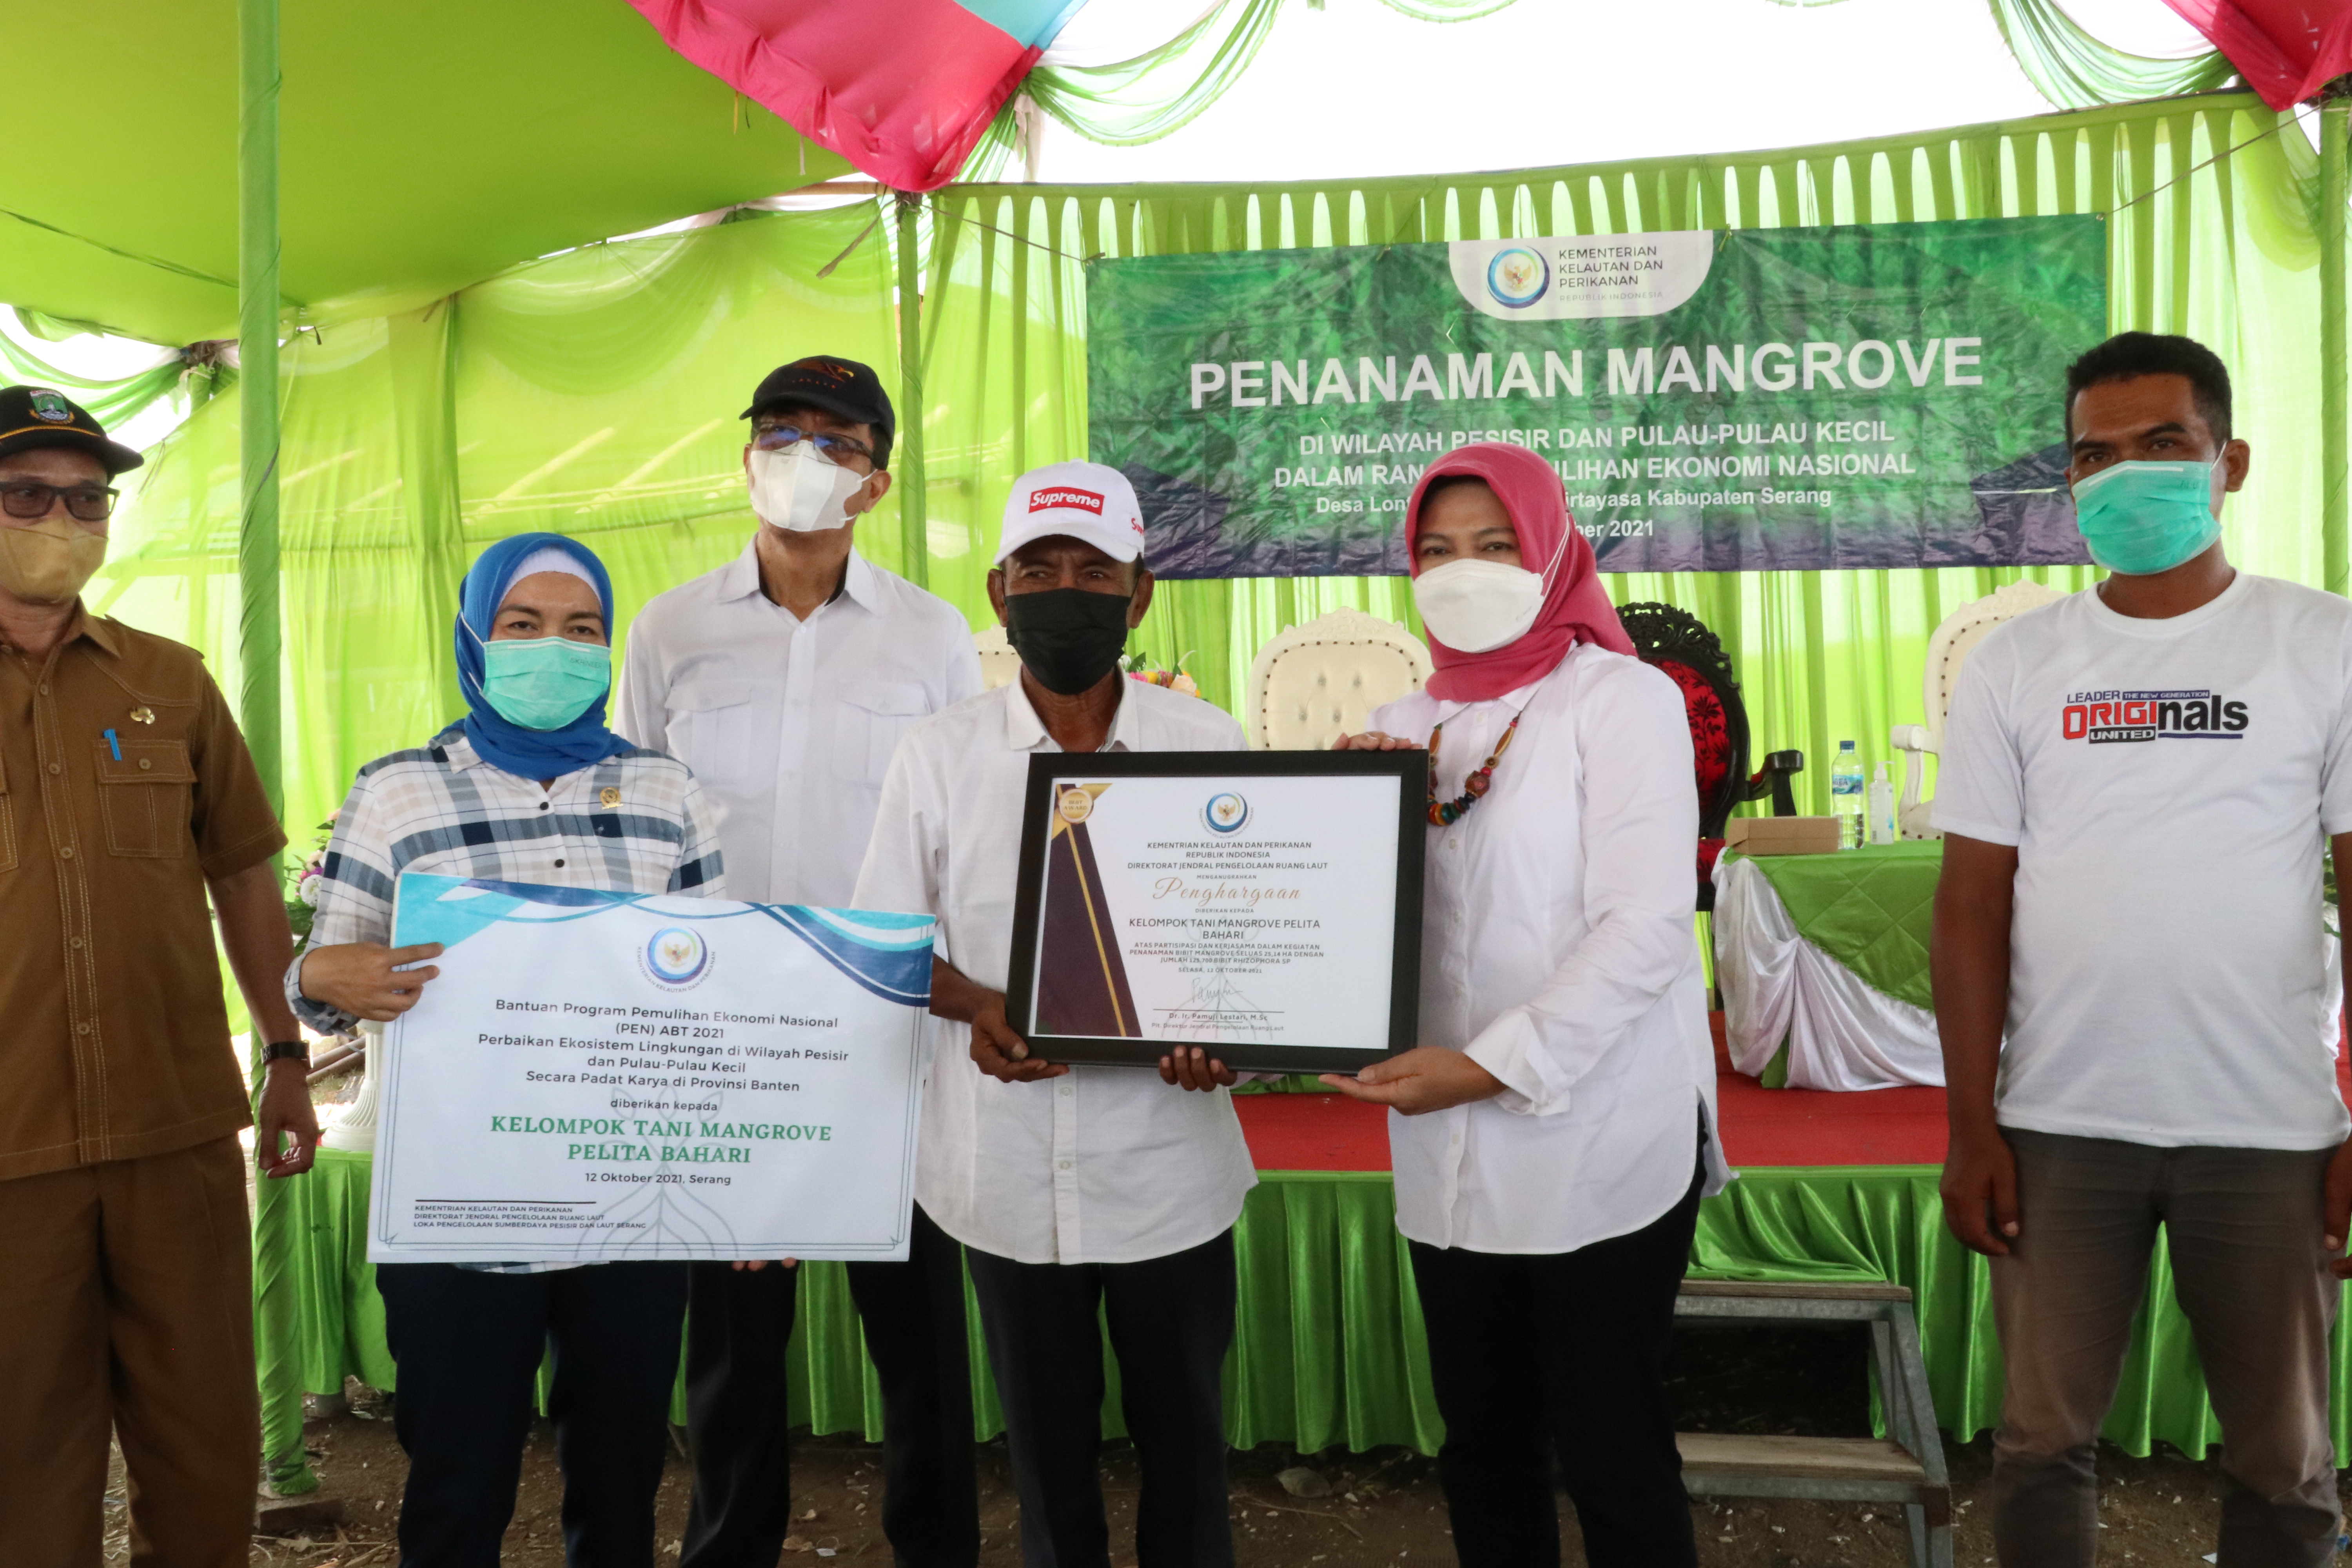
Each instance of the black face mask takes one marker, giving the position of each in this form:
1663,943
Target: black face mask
1068,638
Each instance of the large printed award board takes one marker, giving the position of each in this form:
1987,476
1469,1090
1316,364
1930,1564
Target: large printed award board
1264,905
597,1076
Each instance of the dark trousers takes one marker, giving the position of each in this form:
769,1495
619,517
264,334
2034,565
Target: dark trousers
740,1429
468,1345
1172,1321
1535,1355
2244,1228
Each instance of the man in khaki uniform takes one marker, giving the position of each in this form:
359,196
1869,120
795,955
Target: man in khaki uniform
126,793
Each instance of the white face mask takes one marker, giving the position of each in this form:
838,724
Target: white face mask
1477,607
800,492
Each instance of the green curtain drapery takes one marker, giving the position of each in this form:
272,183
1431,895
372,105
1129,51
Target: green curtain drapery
2226,253
2073,69
109,402
1329,1346
1158,92
596,393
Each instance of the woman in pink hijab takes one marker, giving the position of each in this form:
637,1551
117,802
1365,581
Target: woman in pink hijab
1550,1135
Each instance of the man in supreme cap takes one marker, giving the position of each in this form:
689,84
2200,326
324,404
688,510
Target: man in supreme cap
1075,1189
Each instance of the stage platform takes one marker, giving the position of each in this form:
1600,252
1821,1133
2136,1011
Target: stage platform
1328,1347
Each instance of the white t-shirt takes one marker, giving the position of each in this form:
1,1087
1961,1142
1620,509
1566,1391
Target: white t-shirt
2168,785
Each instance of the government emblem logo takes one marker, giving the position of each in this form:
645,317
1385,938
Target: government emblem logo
1518,277
51,407
1225,813
677,958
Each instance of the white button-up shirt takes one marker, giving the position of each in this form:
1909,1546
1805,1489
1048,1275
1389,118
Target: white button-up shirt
1557,950
790,723
1105,1164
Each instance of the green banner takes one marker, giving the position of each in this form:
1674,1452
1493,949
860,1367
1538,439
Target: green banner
1753,400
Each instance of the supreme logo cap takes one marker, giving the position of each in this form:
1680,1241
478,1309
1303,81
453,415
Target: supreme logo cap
1075,499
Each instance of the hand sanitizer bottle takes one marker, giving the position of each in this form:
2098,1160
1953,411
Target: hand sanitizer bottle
1881,808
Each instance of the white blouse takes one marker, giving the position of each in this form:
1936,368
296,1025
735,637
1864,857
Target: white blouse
1559,950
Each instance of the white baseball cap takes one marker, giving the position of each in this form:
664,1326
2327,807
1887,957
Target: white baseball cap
1080,499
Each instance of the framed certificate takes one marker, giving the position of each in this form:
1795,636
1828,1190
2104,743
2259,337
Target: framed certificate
1264,905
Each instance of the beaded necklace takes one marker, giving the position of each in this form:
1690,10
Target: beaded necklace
1445,814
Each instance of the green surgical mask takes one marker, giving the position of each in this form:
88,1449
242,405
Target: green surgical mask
544,683
2142,518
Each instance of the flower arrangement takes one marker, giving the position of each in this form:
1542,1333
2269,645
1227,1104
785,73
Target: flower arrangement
302,883
1174,679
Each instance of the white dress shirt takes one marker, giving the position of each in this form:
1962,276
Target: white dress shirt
1558,951
790,723
1105,1164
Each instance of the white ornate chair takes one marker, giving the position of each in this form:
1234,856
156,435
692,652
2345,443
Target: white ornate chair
998,663
1317,682
1947,649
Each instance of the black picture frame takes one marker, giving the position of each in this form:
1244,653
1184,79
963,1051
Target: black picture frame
1409,768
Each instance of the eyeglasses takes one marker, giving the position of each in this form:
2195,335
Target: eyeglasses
30,498
837,448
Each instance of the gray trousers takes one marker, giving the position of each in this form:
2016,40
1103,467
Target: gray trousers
2243,1229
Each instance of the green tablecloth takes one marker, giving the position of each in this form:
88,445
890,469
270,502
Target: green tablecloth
1870,908
1328,1347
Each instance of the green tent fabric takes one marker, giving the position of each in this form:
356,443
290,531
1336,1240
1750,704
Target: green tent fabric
2072,69
1328,1346
596,392
1870,908
425,146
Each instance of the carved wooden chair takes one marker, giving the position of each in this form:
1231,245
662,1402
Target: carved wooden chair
1679,643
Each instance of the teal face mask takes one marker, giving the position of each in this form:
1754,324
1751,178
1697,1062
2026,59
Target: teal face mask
2140,519
544,683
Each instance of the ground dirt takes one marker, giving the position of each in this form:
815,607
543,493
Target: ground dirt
1384,1507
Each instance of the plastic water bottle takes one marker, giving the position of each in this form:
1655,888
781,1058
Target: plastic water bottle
1882,829
1845,796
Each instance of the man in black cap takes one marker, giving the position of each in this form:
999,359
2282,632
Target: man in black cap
126,798
784,680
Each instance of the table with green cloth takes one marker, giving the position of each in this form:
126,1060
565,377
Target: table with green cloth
1822,963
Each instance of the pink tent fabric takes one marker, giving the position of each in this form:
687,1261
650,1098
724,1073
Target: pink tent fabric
903,89
2286,49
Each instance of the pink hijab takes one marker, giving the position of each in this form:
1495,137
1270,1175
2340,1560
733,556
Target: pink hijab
1575,609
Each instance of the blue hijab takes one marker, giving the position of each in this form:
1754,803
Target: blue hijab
526,753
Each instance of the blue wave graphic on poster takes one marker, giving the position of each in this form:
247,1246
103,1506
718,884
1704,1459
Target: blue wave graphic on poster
896,969
454,908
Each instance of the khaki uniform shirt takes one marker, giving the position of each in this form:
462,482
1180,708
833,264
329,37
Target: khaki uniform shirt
113,1038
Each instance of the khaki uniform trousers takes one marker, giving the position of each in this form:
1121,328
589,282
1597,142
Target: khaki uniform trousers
126,1303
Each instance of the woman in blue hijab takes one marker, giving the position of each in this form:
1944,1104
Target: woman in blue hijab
529,787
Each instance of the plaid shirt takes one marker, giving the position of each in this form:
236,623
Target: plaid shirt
634,822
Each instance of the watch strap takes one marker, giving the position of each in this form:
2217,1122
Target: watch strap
286,1051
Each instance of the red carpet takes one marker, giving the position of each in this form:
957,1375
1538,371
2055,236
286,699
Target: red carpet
1760,1126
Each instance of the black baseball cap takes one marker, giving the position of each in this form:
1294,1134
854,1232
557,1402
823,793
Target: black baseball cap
33,417
842,387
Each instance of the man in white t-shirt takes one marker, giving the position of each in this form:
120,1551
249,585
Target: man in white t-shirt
2137,784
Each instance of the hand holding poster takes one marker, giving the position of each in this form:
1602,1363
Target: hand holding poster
600,1076
1798,398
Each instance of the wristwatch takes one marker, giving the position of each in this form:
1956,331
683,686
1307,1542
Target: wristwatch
286,1051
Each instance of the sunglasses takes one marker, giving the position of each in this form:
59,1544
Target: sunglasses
30,498
836,449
